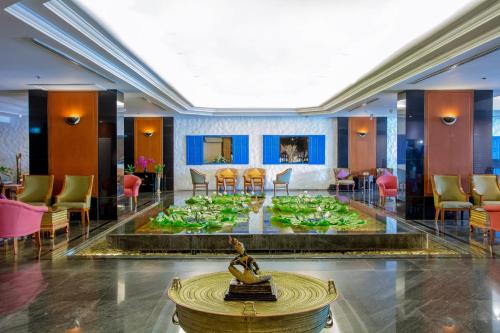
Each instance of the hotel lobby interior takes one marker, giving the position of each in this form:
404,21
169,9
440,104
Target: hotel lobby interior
216,166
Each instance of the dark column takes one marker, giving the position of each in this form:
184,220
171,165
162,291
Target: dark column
381,142
168,153
483,118
38,132
129,149
417,205
107,138
342,142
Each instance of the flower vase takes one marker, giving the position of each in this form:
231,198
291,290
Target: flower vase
158,183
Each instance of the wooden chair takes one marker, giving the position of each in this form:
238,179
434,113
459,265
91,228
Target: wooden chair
226,177
199,180
254,177
282,180
345,181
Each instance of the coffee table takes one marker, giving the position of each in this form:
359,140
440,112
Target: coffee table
55,219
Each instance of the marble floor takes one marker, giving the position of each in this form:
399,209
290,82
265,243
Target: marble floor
376,295
74,294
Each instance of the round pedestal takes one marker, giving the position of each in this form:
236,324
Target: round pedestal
303,305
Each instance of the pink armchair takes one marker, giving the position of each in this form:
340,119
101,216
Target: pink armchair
18,219
387,187
131,187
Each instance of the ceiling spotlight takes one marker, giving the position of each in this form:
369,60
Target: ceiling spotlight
448,120
72,120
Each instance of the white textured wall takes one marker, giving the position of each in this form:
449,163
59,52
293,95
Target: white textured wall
392,142
14,138
303,176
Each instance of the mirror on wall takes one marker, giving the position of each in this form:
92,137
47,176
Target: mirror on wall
294,149
217,149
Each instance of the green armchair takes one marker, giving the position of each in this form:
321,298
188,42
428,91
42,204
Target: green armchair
199,180
485,190
37,190
75,195
282,179
449,195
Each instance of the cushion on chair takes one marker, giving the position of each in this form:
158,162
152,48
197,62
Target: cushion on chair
455,204
343,174
391,192
491,203
74,205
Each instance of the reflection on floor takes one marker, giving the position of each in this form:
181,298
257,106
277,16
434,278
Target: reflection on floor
377,295
78,233
70,294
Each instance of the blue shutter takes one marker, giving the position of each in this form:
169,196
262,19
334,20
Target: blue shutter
495,148
194,149
316,149
240,149
271,149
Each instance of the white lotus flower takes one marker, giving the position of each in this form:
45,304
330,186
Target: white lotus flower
225,193
319,209
214,193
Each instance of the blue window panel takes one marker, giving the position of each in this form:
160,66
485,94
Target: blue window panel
316,149
194,149
240,149
271,149
401,149
495,147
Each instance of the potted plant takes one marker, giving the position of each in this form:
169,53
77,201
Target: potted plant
143,162
159,171
130,169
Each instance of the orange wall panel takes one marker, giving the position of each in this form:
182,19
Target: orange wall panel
448,149
149,147
362,150
73,150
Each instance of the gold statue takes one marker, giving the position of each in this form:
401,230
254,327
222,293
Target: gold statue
250,274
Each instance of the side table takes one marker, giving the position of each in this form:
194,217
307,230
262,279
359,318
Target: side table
55,219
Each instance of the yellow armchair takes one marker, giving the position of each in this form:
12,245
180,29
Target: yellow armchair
226,177
75,195
254,177
485,190
448,195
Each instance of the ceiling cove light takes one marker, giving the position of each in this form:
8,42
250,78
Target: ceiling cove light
266,54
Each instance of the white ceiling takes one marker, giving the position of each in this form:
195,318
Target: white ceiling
266,53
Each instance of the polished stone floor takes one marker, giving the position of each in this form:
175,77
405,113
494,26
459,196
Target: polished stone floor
377,295
72,294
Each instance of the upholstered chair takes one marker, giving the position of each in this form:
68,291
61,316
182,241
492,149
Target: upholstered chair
226,177
387,187
485,190
199,180
449,195
131,185
18,219
282,180
343,181
254,177
37,190
383,172
75,195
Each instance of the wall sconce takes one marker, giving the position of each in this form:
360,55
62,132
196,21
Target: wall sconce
361,134
72,120
448,120
148,133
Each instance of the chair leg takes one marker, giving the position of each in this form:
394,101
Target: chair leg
82,216
206,190
287,190
442,215
436,216
274,190
37,239
194,189
15,245
87,214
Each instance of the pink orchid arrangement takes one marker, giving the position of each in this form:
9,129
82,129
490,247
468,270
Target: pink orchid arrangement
143,162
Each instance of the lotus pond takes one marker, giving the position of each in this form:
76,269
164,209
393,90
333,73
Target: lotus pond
225,213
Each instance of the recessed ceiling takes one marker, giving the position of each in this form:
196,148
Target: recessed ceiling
266,53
